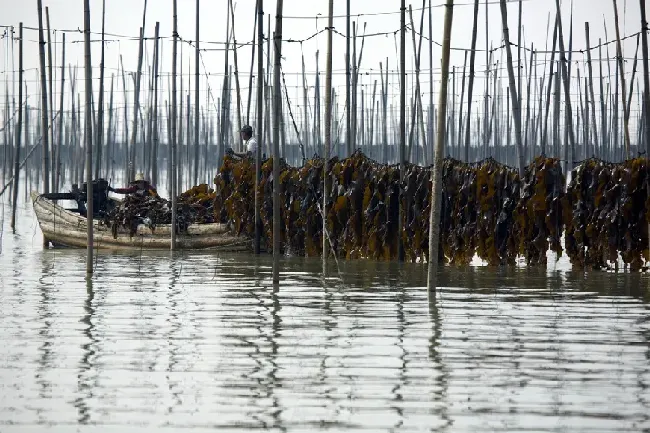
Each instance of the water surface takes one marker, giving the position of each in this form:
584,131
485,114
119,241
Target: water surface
198,342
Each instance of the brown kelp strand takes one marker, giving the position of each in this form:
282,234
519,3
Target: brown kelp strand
607,214
486,209
194,206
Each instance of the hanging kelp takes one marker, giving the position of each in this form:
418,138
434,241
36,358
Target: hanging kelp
607,214
479,208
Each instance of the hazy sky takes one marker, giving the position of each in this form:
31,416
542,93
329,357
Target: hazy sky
302,19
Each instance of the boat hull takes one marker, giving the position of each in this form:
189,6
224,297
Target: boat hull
65,228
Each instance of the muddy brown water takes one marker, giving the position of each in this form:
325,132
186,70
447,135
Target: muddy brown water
204,342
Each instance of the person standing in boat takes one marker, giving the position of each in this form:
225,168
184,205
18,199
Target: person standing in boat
250,143
139,187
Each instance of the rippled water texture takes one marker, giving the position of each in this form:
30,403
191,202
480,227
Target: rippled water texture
204,341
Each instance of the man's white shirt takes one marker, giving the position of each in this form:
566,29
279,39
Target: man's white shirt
251,145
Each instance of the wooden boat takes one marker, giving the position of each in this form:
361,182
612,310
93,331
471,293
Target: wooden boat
63,227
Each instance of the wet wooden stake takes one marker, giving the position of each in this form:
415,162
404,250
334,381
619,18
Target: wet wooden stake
277,114
328,128
45,149
100,104
238,102
646,75
513,89
197,113
567,87
88,136
174,178
470,85
57,176
259,119
51,97
402,127
18,130
594,133
621,71
436,184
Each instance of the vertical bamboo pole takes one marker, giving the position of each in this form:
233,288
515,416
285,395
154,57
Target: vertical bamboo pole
305,91
57,176
250,75
544,140
110,143
197,114
602,145
470,85
88,140
154,151
513,90
100,114
634,66
436,185
45,149
527,140
260,120
174,178
328,128
646,75
136,100
18,130
460,146
594,133
237,89
51,97
567,87
402,125
277,113
348,133
621,71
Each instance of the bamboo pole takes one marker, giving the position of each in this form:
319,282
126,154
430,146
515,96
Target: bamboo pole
277,113
305,92
45,150
174,179
567,86
110,143
88,139
646,75
402,125
328,129
57,176
513,90
602,144
136,101
51,97
18,131
260,121
527,140
197,54
250,75
621,70
237,89
470,85
348,134
628,104
100,115
436,186
592,98
549,88
460,145
154,151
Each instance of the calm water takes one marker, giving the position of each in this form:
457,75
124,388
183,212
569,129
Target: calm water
204,341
